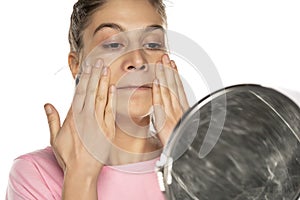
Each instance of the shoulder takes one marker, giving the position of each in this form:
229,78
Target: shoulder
35,174
42,155
38,161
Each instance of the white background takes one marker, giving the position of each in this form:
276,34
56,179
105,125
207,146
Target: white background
255,41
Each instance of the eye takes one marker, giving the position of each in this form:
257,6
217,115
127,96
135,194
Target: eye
153,46
113,45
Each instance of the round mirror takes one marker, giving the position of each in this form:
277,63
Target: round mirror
239,143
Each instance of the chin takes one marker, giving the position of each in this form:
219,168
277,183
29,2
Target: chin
134,113
140,108
138,114
136,106
135,110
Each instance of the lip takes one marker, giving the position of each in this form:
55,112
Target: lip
134,87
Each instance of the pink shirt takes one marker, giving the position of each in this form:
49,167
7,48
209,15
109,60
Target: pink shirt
37,176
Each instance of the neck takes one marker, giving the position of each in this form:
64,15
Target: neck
133,137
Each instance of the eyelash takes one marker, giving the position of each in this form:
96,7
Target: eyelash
112,45
148,46
158,46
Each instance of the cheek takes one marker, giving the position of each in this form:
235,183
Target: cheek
116,73
154,56
115,78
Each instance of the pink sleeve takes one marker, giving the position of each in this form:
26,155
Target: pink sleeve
26,182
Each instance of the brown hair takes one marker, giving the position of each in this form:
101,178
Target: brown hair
84,9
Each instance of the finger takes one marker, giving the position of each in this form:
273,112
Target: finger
181,94
159,114
170,77
102,92
156,93
80,92
110,112
165,95
53,121
91,91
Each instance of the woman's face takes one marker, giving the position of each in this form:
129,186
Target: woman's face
128,36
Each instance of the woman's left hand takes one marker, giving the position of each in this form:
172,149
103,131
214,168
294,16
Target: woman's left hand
169,98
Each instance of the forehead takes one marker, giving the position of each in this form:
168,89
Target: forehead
129,14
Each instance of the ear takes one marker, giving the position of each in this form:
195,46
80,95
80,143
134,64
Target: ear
73,60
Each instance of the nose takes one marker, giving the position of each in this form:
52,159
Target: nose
136,61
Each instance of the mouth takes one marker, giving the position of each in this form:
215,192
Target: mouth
135,87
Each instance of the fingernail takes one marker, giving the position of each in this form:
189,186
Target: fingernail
48,109
104,72
98,64
112,89
87,69
155,82
160,65
166,59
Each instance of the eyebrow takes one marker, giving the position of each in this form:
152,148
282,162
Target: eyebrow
121,29
154,27
109,25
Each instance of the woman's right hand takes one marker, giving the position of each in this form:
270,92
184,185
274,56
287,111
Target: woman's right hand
92,103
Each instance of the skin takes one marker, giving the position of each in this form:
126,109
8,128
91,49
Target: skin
99,93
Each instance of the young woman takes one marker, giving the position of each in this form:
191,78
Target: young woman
125,81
